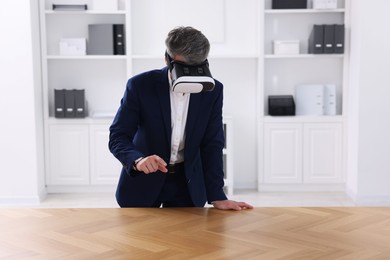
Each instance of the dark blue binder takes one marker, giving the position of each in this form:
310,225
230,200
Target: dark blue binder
316,39
339,32
328,38
59,103
119,39
69,104
79,102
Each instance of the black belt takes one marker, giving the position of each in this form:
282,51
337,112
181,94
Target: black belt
176,167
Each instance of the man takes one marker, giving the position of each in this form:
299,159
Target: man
170,144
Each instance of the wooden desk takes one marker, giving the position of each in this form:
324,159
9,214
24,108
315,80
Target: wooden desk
261,233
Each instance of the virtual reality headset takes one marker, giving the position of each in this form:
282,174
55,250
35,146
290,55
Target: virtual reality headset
190,78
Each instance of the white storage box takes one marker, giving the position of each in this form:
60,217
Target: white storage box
286,47
105,5
324,4
73,46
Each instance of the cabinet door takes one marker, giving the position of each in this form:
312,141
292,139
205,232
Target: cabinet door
68,155
282,153
105,168
322,153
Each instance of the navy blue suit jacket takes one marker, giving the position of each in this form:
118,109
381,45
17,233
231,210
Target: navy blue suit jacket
142,127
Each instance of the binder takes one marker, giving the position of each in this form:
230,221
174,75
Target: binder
106,39
316,39
330,99
329,38
69,104
100,39
339,32
59,103
309,99
119,39
79,103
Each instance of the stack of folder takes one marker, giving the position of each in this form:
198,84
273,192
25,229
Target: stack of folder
69,103
327,38
106,39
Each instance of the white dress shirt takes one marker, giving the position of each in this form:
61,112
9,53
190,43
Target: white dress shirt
179,110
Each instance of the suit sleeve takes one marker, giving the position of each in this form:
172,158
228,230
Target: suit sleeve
124,127
211,152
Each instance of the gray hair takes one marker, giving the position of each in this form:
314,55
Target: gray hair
188,42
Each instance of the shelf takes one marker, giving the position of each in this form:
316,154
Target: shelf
76,121
228,56
87,57
50,12
303,119
304,11
303,56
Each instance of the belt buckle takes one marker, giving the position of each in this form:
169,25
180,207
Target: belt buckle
171,168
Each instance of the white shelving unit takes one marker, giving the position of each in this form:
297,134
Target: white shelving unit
301,150
241,58
77,156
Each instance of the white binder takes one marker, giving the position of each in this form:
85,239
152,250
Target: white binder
330,99
309,99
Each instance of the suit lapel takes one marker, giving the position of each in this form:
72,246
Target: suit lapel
162,88
193,113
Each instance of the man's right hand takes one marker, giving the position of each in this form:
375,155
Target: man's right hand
151,164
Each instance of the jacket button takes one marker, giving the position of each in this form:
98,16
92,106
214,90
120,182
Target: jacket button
189,181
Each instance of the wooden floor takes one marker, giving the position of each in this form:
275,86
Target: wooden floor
204,233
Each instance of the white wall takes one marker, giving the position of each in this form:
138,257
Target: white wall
370,63
21,142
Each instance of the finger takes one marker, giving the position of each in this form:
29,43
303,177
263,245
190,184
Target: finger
237,207
160,161
234,205
153,167
245,205
146,169
162,168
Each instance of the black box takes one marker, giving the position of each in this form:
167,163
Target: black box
289,4
281,105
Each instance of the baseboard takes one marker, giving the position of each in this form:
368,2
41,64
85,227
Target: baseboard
20,201
80,189
369,200
276,187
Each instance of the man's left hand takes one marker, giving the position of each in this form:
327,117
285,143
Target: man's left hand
231,204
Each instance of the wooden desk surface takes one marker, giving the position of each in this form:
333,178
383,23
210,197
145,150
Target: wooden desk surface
203,233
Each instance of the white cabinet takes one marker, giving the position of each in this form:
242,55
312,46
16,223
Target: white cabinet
105,168
304,149
322,153
282,153
68,155
79,155
302,153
